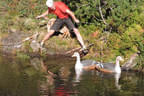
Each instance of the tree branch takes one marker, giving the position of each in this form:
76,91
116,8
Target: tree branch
102,14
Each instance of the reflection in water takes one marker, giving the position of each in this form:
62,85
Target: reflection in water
46,86
36,77
117,77
61,91
80,72
35,62
17,78
64,73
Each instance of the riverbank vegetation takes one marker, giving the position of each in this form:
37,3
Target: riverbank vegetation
114,27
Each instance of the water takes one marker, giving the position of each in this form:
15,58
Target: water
19,77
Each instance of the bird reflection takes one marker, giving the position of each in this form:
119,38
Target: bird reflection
117,77
79,74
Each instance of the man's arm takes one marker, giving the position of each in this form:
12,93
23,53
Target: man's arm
72,15
43,15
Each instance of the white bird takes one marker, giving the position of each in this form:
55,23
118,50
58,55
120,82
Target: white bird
112,68
85,64
81,66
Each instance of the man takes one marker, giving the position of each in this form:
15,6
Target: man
63,14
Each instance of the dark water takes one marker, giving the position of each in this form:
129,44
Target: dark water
21,77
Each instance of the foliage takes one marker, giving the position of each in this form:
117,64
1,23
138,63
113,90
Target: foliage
116,13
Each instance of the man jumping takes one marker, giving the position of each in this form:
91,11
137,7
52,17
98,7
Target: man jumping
63,14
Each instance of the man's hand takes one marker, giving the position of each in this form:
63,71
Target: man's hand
72,15
38,17
43,15
77,21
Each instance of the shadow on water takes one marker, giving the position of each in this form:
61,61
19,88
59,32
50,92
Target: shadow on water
55,76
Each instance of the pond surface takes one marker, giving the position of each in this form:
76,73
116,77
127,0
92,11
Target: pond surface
22,77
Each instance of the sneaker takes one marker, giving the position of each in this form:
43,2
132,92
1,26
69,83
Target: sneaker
84,50
42,44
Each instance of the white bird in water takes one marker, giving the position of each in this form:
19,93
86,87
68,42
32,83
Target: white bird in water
84,65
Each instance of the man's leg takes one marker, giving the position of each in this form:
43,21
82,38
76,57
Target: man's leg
71,27
48,35
55,27
79,38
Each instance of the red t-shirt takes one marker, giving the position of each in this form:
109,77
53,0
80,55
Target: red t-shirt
60,10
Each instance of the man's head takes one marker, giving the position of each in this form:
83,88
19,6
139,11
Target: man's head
49,3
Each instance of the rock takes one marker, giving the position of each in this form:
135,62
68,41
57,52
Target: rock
29,23
12,29
35,46
11,41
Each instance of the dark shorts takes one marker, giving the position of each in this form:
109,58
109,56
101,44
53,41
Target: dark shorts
59,23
